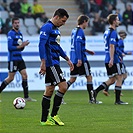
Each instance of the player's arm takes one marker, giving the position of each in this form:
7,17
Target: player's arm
44,35
63,55
10,38
69,63
112,49
11,47
113,44
90,52
120,48
78,53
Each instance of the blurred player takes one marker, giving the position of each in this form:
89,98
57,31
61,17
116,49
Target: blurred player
112,61
122,53
79,58
15,60
50,51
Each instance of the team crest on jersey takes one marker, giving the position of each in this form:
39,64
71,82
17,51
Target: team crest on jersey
58,39
19,41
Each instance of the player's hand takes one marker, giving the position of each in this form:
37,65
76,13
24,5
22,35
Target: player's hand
90,52
70,65
129,53
25,43
123,54
79,63
42,68
111,63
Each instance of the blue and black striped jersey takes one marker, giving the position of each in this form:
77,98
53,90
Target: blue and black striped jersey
14,39
78,43
121,48
111,37
49,44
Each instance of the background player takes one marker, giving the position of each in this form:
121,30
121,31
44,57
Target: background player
15,60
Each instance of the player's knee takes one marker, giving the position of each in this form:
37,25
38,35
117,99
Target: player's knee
24,76
9,79
72,80
89,78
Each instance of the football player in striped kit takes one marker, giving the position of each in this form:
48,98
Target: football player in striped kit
15,60
50,52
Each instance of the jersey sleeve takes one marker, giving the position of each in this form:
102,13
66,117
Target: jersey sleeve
62,53
119,48
113,37
44,35
79,39
11,47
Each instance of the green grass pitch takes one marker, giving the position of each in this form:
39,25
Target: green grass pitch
78,115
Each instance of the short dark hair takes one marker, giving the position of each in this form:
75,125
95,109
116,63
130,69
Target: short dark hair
111,18
122,33
61,13
15,18
82,18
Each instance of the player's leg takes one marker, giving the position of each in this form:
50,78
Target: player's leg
118,84
90,88
12,68
73,77
86,71
54,76
110,72
22,70
24,83
124,75
7,81
69,83
106,90
57,102
45,117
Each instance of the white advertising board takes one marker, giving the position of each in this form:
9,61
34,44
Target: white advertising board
36,82
94,43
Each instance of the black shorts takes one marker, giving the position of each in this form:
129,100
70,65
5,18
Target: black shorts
116,69
14,66
83,70
54,75
124,68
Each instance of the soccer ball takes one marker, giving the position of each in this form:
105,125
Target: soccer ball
19,103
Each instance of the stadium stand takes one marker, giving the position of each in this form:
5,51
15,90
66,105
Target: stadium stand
4,15
31,26
73,7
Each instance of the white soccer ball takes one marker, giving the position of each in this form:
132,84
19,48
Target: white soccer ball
19,103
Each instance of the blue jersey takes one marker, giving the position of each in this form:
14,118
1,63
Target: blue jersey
49,44
14,39
121,48
111,37
78,45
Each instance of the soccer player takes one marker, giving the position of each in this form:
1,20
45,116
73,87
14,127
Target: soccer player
79,58
15,60
112,60
122,53
50,51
